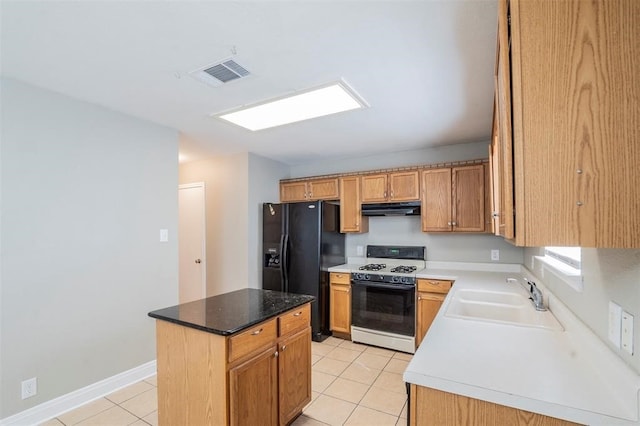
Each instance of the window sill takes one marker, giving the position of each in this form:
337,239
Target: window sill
567,274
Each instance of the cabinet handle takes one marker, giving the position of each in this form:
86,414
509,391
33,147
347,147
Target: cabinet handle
391,194
297,314
255,333
283,348
276,354
419,297
495,214
311,195
384,194
449,223
454,223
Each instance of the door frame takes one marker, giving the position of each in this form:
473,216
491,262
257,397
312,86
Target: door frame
204,234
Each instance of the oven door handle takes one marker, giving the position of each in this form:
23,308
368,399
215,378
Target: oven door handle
401,287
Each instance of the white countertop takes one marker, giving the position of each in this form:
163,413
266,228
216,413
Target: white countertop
568,374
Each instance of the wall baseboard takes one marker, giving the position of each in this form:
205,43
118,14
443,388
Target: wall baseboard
53,408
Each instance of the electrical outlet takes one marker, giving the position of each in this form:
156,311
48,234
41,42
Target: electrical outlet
495,255
29,388
164,235
360,250
615,321
627,332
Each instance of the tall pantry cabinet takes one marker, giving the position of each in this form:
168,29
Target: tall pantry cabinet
573,109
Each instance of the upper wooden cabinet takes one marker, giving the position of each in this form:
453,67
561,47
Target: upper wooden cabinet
575,81
453,199
309,190
387,187
351,219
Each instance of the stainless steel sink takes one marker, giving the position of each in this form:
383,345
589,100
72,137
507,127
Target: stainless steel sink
500,307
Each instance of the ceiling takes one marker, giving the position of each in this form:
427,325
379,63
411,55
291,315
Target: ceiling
424,67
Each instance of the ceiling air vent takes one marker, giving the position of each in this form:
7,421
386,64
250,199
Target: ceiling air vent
220,73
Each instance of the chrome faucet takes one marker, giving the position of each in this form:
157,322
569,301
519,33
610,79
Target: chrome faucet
535,294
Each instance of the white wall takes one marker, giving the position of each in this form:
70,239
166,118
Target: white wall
84,191
443,154
609,275
235,187
264,177
460,247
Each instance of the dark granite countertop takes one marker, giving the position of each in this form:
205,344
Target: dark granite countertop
231,312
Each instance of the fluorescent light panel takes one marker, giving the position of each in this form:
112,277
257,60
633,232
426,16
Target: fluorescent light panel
311,104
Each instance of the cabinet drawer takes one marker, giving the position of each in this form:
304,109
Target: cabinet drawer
252,339
295,319
434,286
340,278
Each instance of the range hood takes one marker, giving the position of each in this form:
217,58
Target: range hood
391,209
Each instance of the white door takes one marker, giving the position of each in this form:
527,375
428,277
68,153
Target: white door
191,245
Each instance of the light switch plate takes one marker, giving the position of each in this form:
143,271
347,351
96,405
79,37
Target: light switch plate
627,332
164,235
615,321
360,250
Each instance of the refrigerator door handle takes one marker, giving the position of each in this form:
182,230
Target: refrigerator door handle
282,264
285,263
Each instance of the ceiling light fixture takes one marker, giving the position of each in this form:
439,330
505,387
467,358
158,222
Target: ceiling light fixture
312,103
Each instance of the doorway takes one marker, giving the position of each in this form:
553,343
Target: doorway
192,266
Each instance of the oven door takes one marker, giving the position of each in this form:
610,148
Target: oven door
383,307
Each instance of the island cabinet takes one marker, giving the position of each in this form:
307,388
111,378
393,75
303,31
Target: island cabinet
340,311
453,199
260,375
430,295
429,406
391,187
309,190
351,219
574,76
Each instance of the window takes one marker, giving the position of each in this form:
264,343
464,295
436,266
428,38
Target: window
564,263
569,255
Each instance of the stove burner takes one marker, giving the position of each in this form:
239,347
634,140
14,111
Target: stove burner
372,267
404,269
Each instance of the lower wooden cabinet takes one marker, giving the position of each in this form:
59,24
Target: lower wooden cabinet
340,301
294,375
255,380
434,407
430,295
261,376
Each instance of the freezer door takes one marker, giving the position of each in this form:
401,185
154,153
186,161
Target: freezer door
303,256
273,236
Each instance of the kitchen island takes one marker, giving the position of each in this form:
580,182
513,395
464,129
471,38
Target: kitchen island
238,358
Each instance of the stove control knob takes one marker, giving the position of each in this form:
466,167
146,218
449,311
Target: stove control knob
405,280
395,279
367,277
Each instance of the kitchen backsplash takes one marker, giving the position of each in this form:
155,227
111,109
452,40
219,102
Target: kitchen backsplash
405,230
608,275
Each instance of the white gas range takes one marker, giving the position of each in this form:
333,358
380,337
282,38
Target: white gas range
383,297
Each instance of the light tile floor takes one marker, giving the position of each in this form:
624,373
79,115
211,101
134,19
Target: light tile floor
352,384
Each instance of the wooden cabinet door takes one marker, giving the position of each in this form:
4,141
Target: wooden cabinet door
253,390
468,198
436,200
404,186
576,87
293,191
351,219
340,310
374,188
323,189
294,374
427,308
504,141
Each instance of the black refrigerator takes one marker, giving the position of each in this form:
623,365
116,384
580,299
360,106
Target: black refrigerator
300,241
